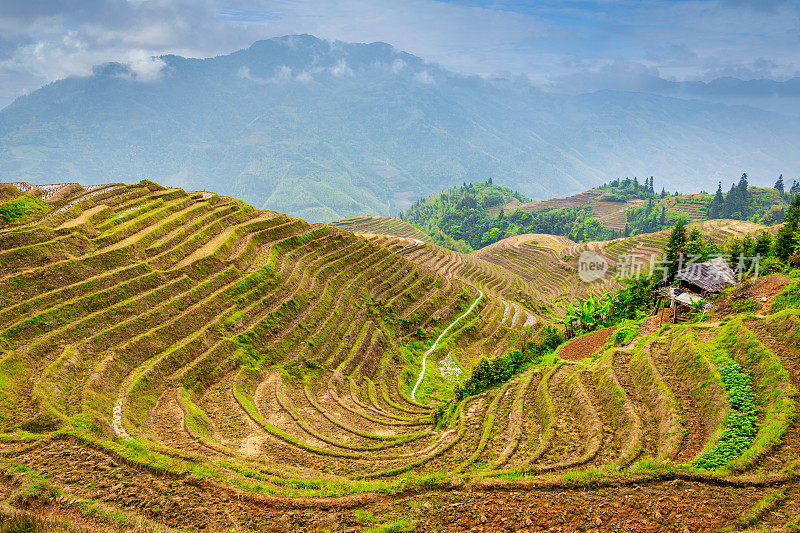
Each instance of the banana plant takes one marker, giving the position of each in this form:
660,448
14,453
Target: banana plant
590,313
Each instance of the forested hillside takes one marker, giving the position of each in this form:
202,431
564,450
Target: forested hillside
478,214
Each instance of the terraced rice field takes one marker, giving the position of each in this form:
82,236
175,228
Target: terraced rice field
610,214
548,265
183,361
380,226
688,204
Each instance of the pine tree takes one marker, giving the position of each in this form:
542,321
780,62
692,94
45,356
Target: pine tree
490,181
675,246
663,192
779,184
717,204
744,197
785,239
635,186
763,244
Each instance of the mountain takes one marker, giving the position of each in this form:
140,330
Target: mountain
324,130
777,96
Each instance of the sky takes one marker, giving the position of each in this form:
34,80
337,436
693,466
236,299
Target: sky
565,46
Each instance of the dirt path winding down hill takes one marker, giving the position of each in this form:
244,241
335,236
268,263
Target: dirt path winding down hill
435,344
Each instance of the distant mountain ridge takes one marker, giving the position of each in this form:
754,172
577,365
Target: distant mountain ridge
324,130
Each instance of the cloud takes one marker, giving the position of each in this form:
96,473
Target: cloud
591,44
615,75
424,77
341,69
758,68
283,74
146,68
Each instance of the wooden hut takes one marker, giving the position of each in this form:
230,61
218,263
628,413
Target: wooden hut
695,283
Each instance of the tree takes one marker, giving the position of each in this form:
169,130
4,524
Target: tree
490,181
779,184
717,204
785,239
743,182
795,188
744,197
675,247
731,203
748,245
763,244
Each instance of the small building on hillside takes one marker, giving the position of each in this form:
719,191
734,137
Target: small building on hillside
708,277
695,283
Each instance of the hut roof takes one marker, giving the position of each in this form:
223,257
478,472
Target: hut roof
712,275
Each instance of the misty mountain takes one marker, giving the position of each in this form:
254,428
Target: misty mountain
781,97
323,130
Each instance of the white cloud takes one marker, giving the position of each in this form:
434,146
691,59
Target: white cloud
146,68
282,75
341,69
546,41
424,77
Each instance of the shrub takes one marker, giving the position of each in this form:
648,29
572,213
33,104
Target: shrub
626,332
547,339
788,298
612,197
20,208
487,373
770,265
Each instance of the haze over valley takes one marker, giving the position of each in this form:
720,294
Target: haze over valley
326,129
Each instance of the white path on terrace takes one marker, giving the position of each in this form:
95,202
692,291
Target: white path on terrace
117,422
435,344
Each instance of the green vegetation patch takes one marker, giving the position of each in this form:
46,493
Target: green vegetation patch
19,209
11,370
472,216
487,373
741,424
789,298
771,384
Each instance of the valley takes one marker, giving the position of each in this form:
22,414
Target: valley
176,360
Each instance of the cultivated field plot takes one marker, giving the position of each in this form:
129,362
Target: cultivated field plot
547,265
691,205
380,226
174,360
610,214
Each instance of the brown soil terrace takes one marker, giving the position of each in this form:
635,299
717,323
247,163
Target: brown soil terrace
585,345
